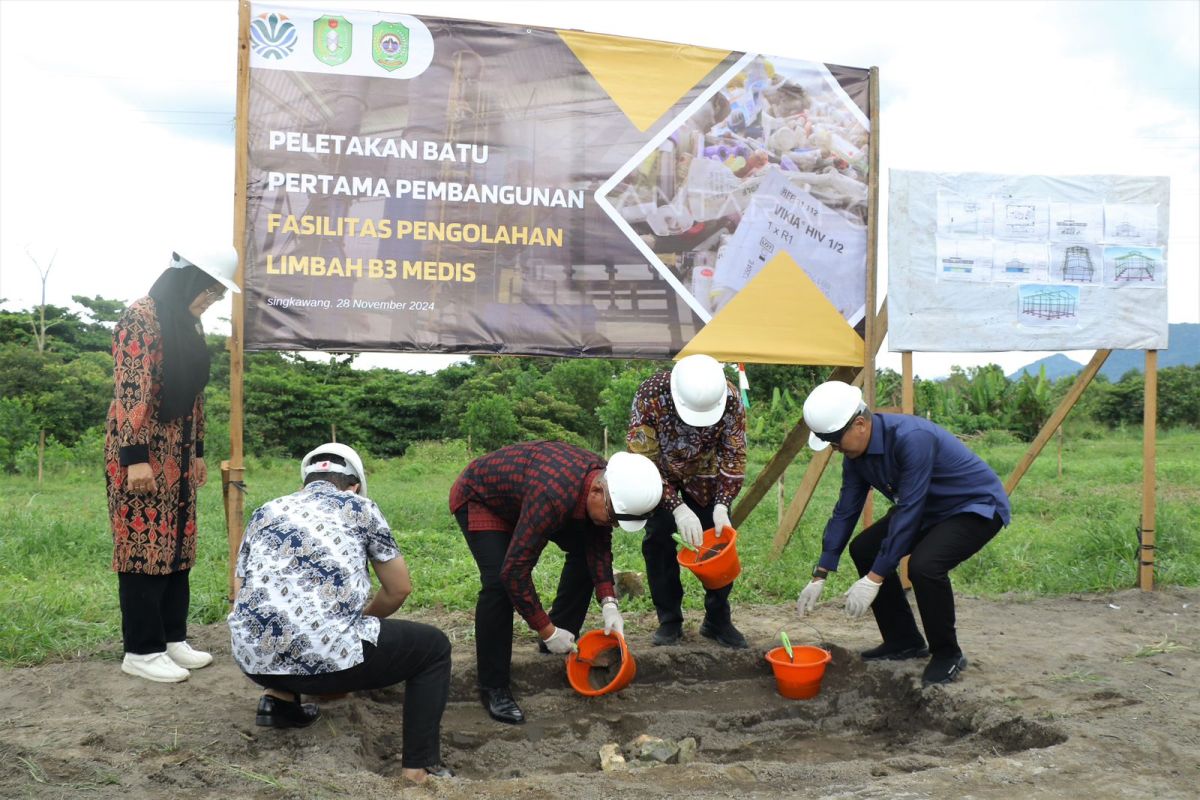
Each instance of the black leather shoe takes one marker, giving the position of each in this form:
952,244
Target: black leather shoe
895,652
667,633
943,670
723,633
276,713
501,706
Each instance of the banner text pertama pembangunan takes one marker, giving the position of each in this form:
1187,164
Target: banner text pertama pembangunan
423,150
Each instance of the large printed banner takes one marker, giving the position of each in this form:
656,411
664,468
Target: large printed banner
980,262
421,184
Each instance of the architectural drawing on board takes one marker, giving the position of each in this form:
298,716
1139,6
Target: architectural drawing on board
963,216
1077,265
1135,266
1021,218
964,260
1076,222
1050,304
1015,266
1131,224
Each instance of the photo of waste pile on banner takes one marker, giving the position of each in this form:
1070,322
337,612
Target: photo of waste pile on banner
422,184
1033,262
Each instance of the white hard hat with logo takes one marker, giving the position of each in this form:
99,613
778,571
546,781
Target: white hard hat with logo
219,262
635,488
829,408
352,467
698,389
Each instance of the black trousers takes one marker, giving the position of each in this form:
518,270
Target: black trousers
494,608
412,652
936,550
154,610
662,568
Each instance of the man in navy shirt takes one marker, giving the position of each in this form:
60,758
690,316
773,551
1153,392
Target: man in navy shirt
946,505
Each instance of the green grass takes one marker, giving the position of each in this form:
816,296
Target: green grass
58,594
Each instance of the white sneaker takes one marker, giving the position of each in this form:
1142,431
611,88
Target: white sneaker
154,667
183,655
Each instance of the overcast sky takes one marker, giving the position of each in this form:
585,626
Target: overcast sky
117,118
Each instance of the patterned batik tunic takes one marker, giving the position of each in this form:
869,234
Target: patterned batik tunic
155,533
305,582
707,463
536,491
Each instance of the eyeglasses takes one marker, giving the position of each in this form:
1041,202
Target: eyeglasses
614,517
835,437
215,293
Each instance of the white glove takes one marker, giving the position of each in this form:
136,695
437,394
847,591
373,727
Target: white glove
561,642
721,518
688,525
612,617
808,596
860,596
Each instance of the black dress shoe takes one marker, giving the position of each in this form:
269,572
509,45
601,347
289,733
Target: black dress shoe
895,652
723,633
501,706
276,713
943,670
667,633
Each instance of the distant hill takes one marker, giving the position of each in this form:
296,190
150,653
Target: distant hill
1183,350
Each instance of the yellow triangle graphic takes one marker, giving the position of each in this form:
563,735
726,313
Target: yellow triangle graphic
643,77
780,317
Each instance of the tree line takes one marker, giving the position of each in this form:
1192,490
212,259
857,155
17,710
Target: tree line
56,378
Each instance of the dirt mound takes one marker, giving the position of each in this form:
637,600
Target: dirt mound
1071,696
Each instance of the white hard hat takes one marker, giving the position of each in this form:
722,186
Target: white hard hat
219,262
635,488
353,466
698,389
829,408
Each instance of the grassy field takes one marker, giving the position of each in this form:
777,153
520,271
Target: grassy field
1073,533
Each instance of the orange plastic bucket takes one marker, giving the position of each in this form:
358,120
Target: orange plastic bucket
602,665
799,678
715,568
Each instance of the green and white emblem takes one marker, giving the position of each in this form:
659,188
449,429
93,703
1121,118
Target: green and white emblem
332,40
389,45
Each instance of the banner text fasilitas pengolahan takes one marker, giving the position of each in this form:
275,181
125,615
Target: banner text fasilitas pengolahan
367,186
376,147
417,230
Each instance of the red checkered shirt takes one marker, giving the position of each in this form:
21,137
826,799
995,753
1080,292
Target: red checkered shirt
534,491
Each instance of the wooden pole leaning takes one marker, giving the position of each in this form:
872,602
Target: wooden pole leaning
233,472
870,329
1064,407
1146,532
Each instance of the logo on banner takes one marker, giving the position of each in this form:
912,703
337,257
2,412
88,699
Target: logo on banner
389,45
332,40
272,36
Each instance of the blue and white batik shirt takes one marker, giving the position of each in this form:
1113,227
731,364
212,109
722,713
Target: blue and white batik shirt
305,581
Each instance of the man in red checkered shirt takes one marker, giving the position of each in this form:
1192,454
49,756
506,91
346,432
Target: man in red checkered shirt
513,502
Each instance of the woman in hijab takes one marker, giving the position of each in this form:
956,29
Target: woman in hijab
154,459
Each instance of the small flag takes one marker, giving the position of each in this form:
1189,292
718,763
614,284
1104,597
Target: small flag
744,385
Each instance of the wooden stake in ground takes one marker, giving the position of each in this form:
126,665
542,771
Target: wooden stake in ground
1146,531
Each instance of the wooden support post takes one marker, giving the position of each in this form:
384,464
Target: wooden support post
794,442
872,335
233,471
1064,407
808,485
1146,532
906,382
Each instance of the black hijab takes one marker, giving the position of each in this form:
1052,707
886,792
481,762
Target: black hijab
184,352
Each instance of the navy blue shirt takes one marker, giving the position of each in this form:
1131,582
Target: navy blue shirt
927,473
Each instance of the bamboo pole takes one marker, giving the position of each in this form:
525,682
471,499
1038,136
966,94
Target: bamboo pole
871,331
233,471
1064,407
1146,532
